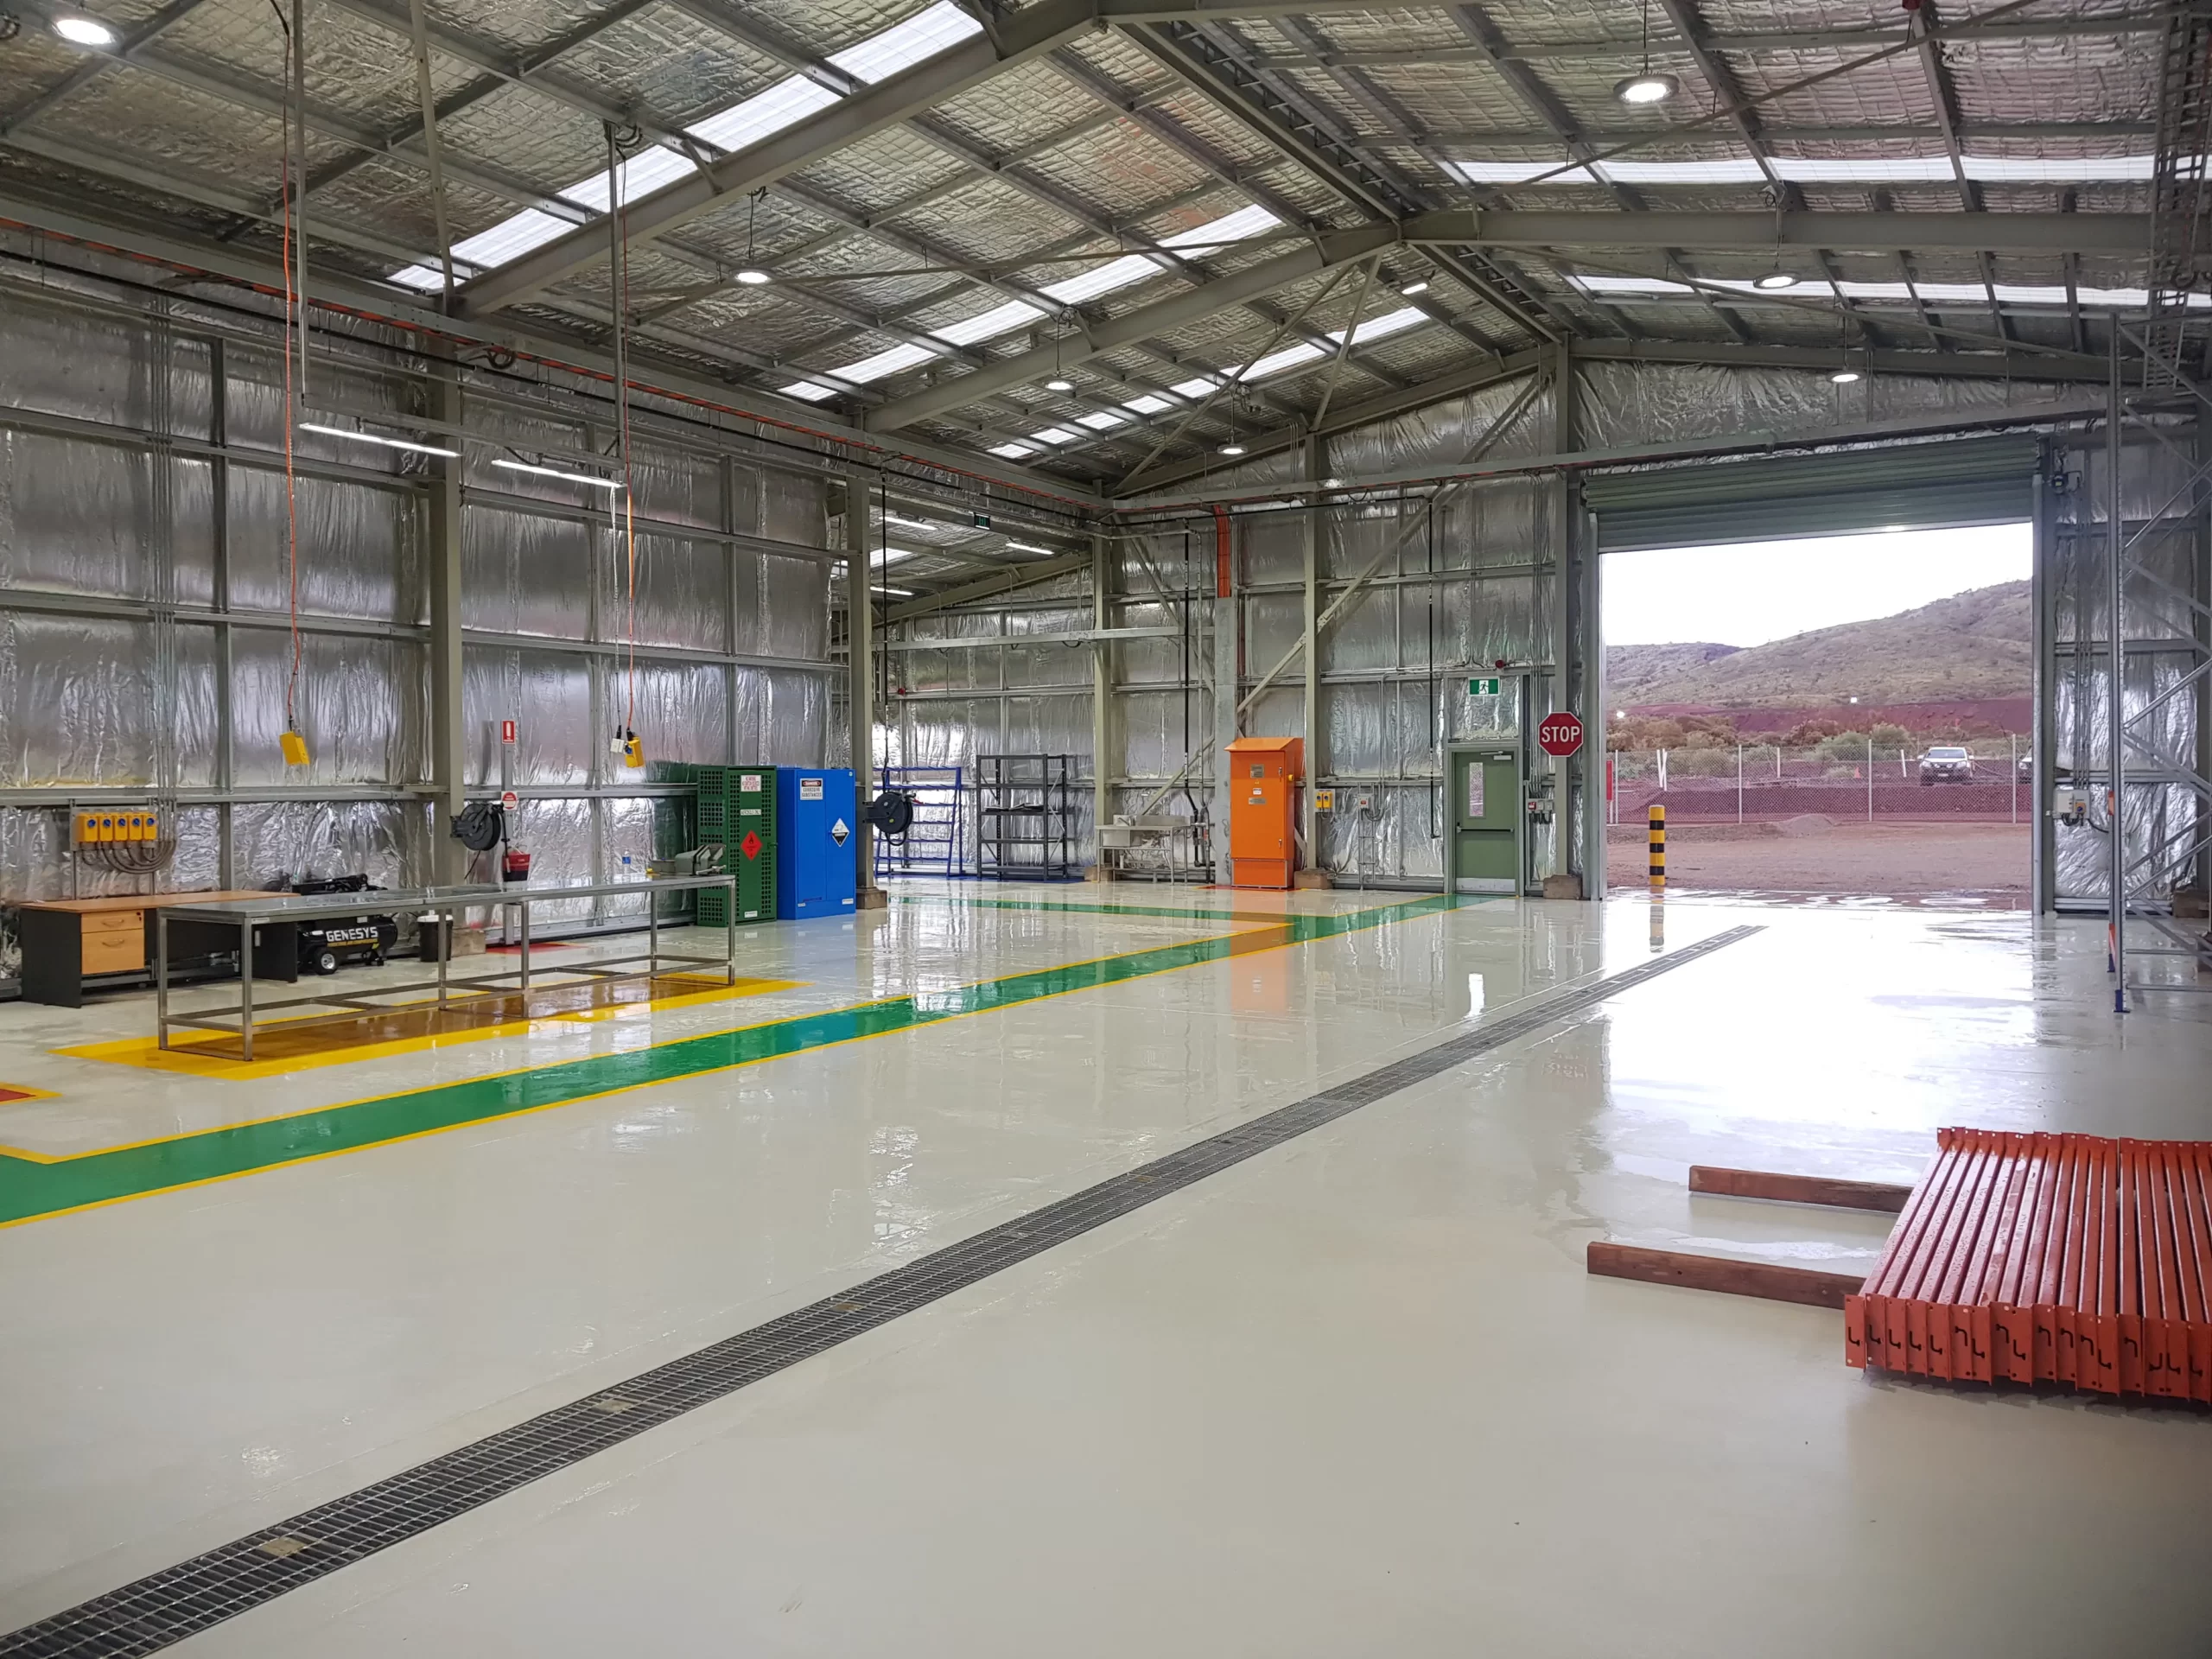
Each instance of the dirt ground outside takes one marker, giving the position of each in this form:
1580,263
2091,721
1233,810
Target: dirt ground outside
1968,865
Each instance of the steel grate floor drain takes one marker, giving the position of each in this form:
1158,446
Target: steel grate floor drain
179,1601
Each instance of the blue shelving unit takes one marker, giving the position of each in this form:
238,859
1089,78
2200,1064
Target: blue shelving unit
933,846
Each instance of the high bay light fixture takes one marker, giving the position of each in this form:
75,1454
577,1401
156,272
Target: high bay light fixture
1645,86
79,30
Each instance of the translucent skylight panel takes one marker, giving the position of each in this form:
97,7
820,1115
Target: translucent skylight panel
1518,173
642,174
1721,169
510,238
883,363
1276,362
1102,420
1381,328
996,320
2046,169
1014,451
1932,293
1103,279
1148,404
763,115
1240,226
1056,435
1814,169
1194,390
903,45
808,390
1863,169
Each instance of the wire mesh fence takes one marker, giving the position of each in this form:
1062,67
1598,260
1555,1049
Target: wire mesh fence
1843,778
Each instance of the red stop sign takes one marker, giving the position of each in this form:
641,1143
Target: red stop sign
1561,733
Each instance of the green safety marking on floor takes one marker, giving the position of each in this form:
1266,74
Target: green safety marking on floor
949,903
30,1189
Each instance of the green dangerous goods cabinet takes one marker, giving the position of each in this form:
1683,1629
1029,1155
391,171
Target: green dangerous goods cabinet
737,810
750,852
1486,816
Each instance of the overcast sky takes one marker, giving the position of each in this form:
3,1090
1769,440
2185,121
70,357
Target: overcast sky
1751,592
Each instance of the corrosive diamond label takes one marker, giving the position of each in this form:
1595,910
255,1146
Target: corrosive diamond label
838,832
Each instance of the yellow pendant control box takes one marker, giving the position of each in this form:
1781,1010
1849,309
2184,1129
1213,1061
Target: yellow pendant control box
295,747
115,825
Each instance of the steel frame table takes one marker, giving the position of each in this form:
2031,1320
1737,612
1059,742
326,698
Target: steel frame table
445,906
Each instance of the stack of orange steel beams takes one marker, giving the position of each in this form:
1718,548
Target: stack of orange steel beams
2049,1258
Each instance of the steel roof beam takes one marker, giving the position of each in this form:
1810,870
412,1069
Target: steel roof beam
1015,40
1976,366
1945,96
1331,251
1734,41
2125,234
2035,233
1314,145
1696,37
1529,88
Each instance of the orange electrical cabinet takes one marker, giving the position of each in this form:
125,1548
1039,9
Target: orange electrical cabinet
1264,778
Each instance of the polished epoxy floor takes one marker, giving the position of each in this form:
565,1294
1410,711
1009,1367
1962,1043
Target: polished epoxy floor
1354,1394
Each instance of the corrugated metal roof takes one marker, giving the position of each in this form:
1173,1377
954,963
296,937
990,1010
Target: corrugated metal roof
1116,139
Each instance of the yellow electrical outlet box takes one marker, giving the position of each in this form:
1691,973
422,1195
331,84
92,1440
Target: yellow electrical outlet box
634,751
295,747
88,828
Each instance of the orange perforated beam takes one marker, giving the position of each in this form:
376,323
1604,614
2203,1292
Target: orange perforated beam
2049,1258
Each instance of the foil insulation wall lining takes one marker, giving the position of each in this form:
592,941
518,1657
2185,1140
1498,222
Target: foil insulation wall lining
2167,519
103,528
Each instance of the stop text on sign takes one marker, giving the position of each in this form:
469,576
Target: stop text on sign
1561,735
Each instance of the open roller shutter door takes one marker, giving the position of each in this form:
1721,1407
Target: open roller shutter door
1916,486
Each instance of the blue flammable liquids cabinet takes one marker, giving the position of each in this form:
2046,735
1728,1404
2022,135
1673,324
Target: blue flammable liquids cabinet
817,821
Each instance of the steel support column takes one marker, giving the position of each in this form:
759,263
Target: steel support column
1566,510
2042,587
860,660
448,859
1317,759
1102,695
1228,665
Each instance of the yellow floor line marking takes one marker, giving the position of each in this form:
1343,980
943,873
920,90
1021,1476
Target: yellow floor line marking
180,1058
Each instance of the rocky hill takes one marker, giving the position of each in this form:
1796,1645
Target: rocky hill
1971,647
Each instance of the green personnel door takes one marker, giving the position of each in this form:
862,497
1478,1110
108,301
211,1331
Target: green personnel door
1486,821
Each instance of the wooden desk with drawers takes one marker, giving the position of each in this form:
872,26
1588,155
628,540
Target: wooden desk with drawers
68,942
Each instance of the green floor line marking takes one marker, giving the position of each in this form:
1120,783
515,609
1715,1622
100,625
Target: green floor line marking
29,1189
949,902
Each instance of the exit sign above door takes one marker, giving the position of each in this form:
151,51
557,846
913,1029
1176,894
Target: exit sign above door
1483,688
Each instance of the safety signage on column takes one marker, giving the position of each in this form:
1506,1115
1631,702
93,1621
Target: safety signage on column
1561,735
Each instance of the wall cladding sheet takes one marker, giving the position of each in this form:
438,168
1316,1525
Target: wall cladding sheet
80,517
526,573
359,547
77,693
794,727
1445,434
272,840
683,596
361,705
548,694
62,360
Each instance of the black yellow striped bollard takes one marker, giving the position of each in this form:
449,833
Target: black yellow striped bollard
1658,848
